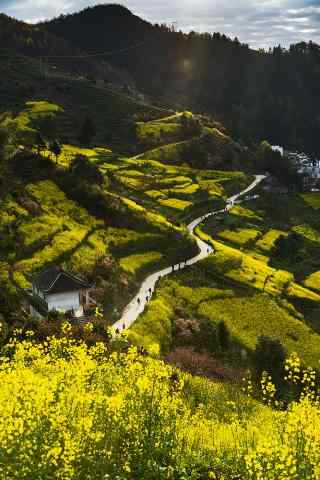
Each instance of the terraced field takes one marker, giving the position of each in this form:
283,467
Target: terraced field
111,110
249,297
240,286
51,228
239,281
166,189
266,222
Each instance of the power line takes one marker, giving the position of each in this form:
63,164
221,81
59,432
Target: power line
82,56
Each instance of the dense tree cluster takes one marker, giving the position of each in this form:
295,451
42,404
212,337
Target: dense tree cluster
288,247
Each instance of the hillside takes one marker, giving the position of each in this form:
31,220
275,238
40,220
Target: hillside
246,284
20,41
113,111
125,223
125,217
98,181
271,95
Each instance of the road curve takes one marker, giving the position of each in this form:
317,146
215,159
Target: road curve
139,302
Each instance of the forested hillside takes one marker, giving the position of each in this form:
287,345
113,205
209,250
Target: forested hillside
272,95
20,41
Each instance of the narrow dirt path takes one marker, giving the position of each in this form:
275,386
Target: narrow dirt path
137,305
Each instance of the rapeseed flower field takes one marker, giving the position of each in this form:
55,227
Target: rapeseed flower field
73,412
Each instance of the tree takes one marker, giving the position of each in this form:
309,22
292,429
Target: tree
207,336
55,148
40,143
288,247
87,132
223,335
268,356
31,166
47,125
3,142
83,168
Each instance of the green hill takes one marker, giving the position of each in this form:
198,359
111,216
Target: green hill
258,95
114,232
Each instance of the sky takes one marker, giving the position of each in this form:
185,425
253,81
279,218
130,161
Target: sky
260,23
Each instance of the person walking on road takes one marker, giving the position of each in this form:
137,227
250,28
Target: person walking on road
139,301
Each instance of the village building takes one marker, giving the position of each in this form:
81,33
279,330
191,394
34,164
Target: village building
278,148
55,289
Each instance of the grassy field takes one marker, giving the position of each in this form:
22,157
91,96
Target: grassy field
313,199
313,281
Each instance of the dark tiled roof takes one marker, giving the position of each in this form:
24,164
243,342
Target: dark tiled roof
55,280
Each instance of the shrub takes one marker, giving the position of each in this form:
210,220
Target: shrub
223,335
269,356
30,165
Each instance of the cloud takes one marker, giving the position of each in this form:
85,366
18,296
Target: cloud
261,23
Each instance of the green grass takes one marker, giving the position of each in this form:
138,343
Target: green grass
243,268
153,329
68,152
313,281
313,199
266,243
249,317
170,154
308,232
24,124
155,133
240,236
175,203
162,131
225,293
166,189
137,262
246,213
272,218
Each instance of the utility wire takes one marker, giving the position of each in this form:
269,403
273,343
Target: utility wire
82,56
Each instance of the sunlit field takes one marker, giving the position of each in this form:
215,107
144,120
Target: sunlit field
67,411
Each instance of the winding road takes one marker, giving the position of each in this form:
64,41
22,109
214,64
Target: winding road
139,302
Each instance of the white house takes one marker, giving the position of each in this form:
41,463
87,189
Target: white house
56,289
278,148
